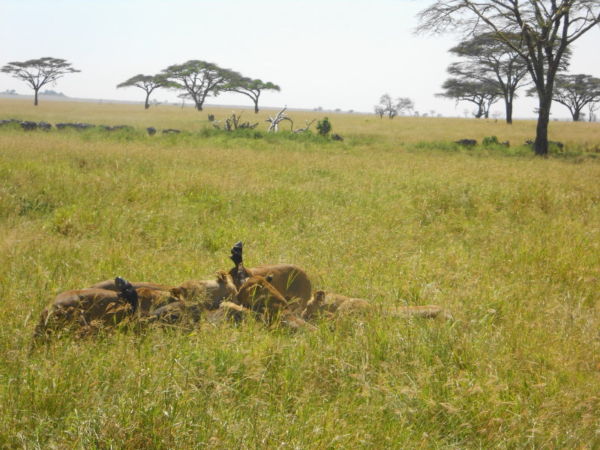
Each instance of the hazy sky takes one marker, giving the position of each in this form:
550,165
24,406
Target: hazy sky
330,53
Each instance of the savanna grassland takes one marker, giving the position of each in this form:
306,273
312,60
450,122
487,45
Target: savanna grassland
395,213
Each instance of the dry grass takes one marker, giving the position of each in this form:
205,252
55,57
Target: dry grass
509,244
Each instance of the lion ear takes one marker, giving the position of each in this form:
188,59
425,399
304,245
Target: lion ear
269,277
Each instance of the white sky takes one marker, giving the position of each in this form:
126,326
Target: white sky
330,53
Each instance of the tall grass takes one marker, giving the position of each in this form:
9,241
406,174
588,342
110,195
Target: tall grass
509,245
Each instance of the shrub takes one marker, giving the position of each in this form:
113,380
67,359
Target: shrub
490,140
324,126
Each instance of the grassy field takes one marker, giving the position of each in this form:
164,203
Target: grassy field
509,243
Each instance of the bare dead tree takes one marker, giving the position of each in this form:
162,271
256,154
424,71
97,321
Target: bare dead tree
275,121
233,123
306,128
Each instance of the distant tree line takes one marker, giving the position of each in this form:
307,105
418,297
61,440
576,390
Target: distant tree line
489,71
196,79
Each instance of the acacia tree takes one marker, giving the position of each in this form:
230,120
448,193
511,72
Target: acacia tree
380,111
482,93
404,104
251,88
392,108
577,91
148,83
488,59
199,79
546,29
39,72
387,106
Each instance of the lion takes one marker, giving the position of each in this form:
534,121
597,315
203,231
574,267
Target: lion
258,297
210,293
80,308
290,280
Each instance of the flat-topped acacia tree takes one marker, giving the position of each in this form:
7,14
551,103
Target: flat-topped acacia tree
462,87
251,88
148,83
199,79
39,72
489,60
546,28
577,91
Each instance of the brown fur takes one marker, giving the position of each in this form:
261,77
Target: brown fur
81,308
208,293
258,295
228,311
87,310
290,280
176,313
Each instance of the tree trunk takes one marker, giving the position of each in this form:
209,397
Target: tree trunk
541,137
479,113
509,111
256,107
35,97
576,115
146,103
199,106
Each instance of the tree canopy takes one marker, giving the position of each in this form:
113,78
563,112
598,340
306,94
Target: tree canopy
391,108
576,92
39,72
483,93
491,61
148,83
199,79
251,88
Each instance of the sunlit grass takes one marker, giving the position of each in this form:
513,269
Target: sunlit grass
509,245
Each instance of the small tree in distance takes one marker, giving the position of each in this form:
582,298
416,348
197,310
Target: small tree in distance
482,93
148,83
577,91
404,104
251,88
388,107
39,72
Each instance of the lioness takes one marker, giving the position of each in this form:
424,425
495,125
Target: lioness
84,306
290,280
258,295
210,293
